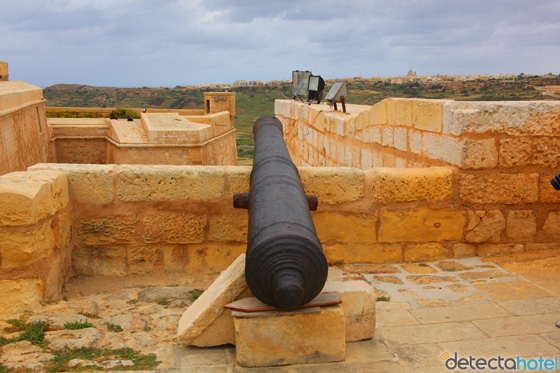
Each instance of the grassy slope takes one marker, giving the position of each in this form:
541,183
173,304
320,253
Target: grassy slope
251,103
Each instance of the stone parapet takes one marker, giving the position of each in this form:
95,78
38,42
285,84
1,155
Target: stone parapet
35,247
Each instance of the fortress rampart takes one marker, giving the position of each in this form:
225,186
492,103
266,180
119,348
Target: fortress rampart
428,180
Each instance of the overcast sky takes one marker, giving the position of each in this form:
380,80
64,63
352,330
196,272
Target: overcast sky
134,43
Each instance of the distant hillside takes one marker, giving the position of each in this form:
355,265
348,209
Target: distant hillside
252,102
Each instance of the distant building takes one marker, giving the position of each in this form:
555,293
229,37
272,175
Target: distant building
4,72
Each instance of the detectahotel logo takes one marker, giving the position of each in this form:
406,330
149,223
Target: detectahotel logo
454,362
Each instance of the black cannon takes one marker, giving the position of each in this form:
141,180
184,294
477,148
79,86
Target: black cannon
285,266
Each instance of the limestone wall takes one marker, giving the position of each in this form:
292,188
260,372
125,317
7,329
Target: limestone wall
35,231
132,219
4,72
502,155
24,135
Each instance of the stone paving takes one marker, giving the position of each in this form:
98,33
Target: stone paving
483,307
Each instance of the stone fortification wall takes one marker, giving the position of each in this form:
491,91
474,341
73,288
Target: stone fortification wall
152,140
35,231
502,155
134,219
24,135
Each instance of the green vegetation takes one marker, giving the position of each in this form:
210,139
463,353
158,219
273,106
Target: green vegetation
34,333
195,294
163,302
114,328
82,324
252,102
17,325
141,362
90,315
132,301
383,299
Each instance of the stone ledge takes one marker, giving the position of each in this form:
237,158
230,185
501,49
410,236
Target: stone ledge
28,197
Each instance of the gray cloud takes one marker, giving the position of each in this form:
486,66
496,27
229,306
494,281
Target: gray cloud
170,42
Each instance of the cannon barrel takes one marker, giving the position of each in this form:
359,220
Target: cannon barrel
285,265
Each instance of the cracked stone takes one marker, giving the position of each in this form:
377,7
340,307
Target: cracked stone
484,275
458,288
418,268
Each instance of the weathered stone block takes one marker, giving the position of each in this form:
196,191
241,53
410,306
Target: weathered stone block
547,193
333,184
513,118
27,197
403,185
515,151
546,151
485,226
211,257
551,225
378,114
333,226
228,227
22,248
424,252
415,141
521,225
237,178
463,250
363,253
290,337
400,139
499,188
358,303
488,249
174,227
421,224
403,111
100,260
92,183
108,229
478,154
387,136
210,304
19,296
157,183
428,114
441,147
141,259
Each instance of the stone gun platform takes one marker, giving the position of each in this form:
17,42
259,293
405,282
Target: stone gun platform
505,305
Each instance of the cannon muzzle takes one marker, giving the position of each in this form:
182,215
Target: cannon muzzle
285,265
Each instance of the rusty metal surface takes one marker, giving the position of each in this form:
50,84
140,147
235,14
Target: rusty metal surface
285,264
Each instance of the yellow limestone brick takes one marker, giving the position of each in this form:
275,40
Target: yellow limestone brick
156,183
413,184
212,257
228,227
420,225
19,296
428,114
345,227
238,178
27,197
363,253
424,252
378,114
86,182
23,248
100,260
333,185
391,106
403,112
174,227
290,337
